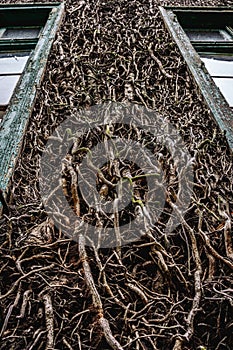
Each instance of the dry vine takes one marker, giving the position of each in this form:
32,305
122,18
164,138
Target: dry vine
165,291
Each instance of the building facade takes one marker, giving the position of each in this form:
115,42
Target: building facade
170,287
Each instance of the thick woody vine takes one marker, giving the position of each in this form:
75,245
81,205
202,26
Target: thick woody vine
164,291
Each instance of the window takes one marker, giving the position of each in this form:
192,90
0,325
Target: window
205,38
12,64
13,57
26,36
220,67
20,28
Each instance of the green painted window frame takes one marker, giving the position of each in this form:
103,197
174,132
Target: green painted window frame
178,20
15,120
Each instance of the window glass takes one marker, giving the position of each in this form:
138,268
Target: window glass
208,35
21,33
219,65
226,87
7,86
13,62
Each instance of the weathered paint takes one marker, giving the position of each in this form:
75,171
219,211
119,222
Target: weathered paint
15,121
220,109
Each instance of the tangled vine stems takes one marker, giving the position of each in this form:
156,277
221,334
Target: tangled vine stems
104,324
148,291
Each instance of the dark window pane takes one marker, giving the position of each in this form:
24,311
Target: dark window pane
21,33
208,35
226,88
13,62
219,65
7,86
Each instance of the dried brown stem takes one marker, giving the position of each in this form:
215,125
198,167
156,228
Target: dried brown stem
96,297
